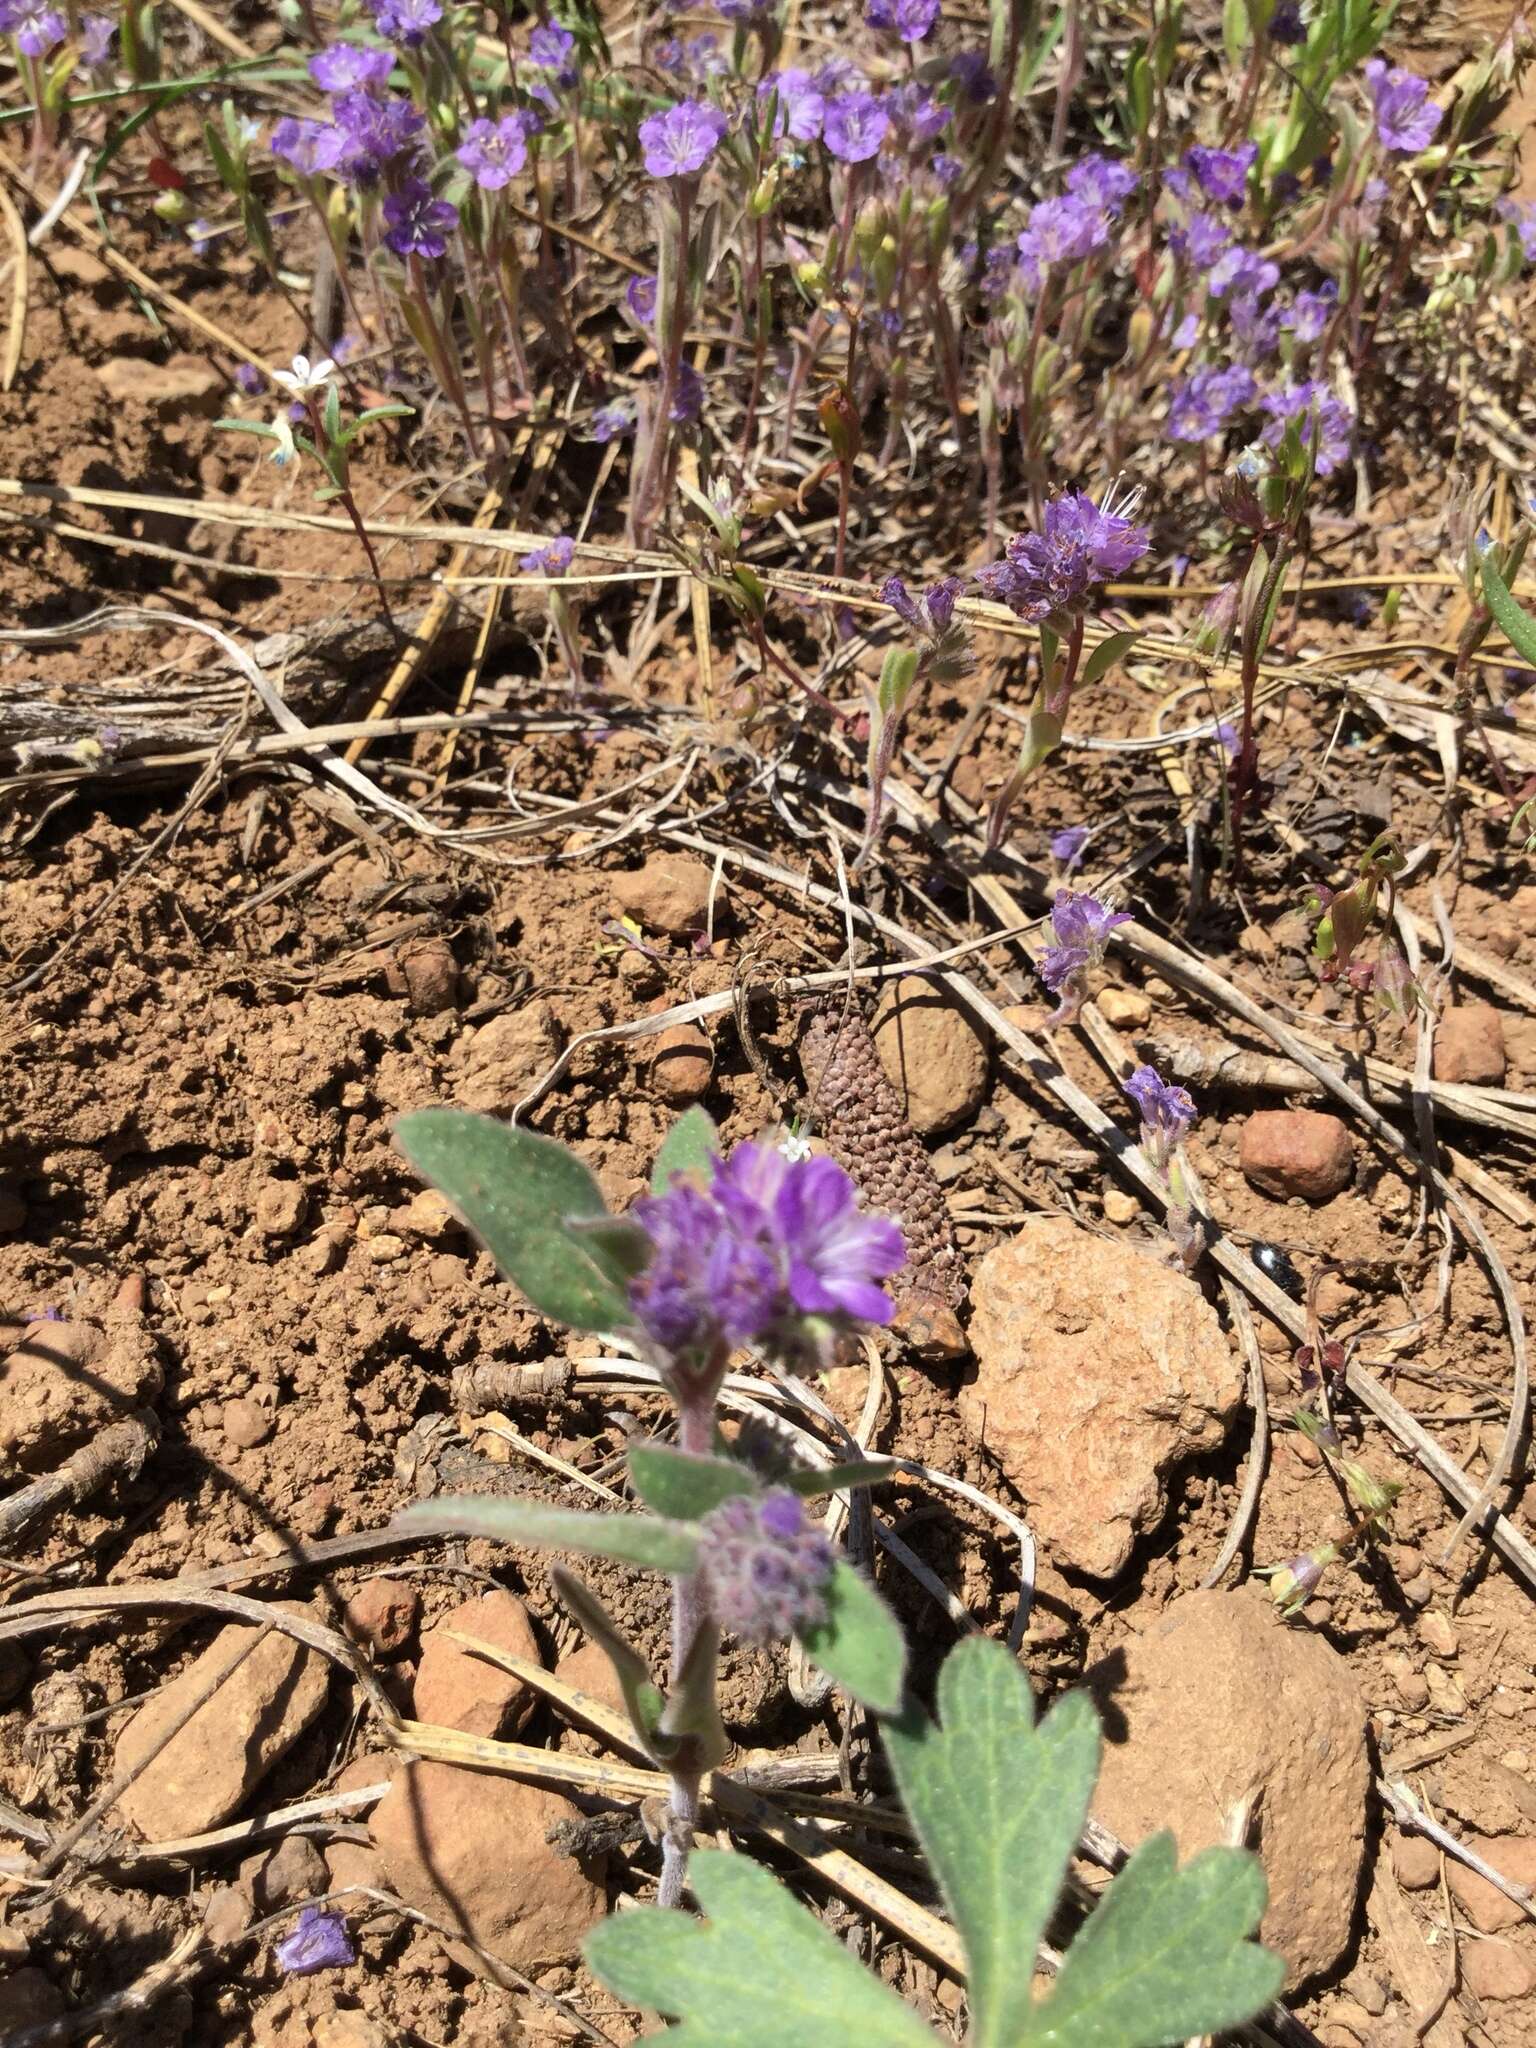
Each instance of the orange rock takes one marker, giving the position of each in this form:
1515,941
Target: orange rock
1469,1046
457,1689
934,1055
1301,1152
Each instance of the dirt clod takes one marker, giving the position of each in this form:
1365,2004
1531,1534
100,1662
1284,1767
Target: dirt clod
1497,1970
494,1068
935,1057
65,1381
682,1064
383,1614
1469,1046
1303,1152
669,894
1097,1370
1483,1903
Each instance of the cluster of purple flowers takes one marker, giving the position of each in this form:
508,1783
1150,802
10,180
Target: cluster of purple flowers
1318,412
765,1565
367,133
553,559
37,27
1167,1113
1052,574
406,21
694,62
418,223
768,1243
944,648
1203,402
911,20
1063,231
613,421
1081,926
1222,174
1406,117
679,141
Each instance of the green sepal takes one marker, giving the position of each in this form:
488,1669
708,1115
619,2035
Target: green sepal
635,1539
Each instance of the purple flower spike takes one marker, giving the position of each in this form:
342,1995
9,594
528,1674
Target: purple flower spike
375,132
419,223
1202,241
1316,410
1082,925
96,33
911,19
1223,173
309,147
687,396
553,559
493,152
854,127
770,1242
640,297
37,28
1067,846
1167,1112
766,1565
1241,271
319,1941
1056,572
1102,181
1061,231
406,21
1406,117
681,141
350,67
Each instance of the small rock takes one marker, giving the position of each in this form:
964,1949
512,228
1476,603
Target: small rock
349,2029
384,1249
430,1215
383,1614
469,1847
1368,1993
1512,1856
1411,1686
294,1870
208,1769
227,1915
589,1669
1416,1862
1126,1008
1302,1152
1436,1633
1219,1706
247,1423
495,1066
65,1381
281,1207
1119,1207
1097,1370
681,1065
1469,1046
1419,1590
670,894
457,1689
27,1998
933,1053
1492,1969
425,972
183,384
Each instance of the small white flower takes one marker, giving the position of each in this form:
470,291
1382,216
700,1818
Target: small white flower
795,1148
284,450
305,376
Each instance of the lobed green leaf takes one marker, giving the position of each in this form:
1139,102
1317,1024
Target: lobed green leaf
860,1643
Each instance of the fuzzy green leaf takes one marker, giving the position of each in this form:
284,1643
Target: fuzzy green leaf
998,1805
689,1149
517,1192
837,1478
637,1539
860,1644
758,1972
1105,655
1517,626
1164,1956
684,1488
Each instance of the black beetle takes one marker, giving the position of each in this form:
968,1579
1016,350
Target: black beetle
1276,1265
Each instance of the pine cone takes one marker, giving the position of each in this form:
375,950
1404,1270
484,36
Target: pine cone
859,1117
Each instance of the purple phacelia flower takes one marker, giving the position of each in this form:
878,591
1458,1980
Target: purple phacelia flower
917,113
1406,117
1167,1112
406,21
419,223
1312,311
37,29
248,379
838,74
680,142
687,396
1521,215
553,559
96,33
1255,325
553,49
1061,231
1223,173
944,649
946,170
640,297
1201,241
1102,181
973,75
319,1941
351,67
1045,575
1067,846
375,132
1244,271
613,421
744,10
910,19
1318,411
854,126
1227,736
1081,926
799,107
493,152
765,1565
309,147
1202,404
768,1243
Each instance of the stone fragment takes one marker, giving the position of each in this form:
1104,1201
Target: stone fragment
1303,1152
1126,1008
208,1770
935,1057
670,894
681,1064
590,1670
1119,1207
64,1382
470,1848
1220,1710
457,1689
1416,1862
183,384
294,1870
1469,1046
1495,1969
382,1613
430,1215
425,972
1512,1856
246,1423
281,1207
494,1067
1097,1370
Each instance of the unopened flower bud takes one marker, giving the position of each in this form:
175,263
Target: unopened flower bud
765,1565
